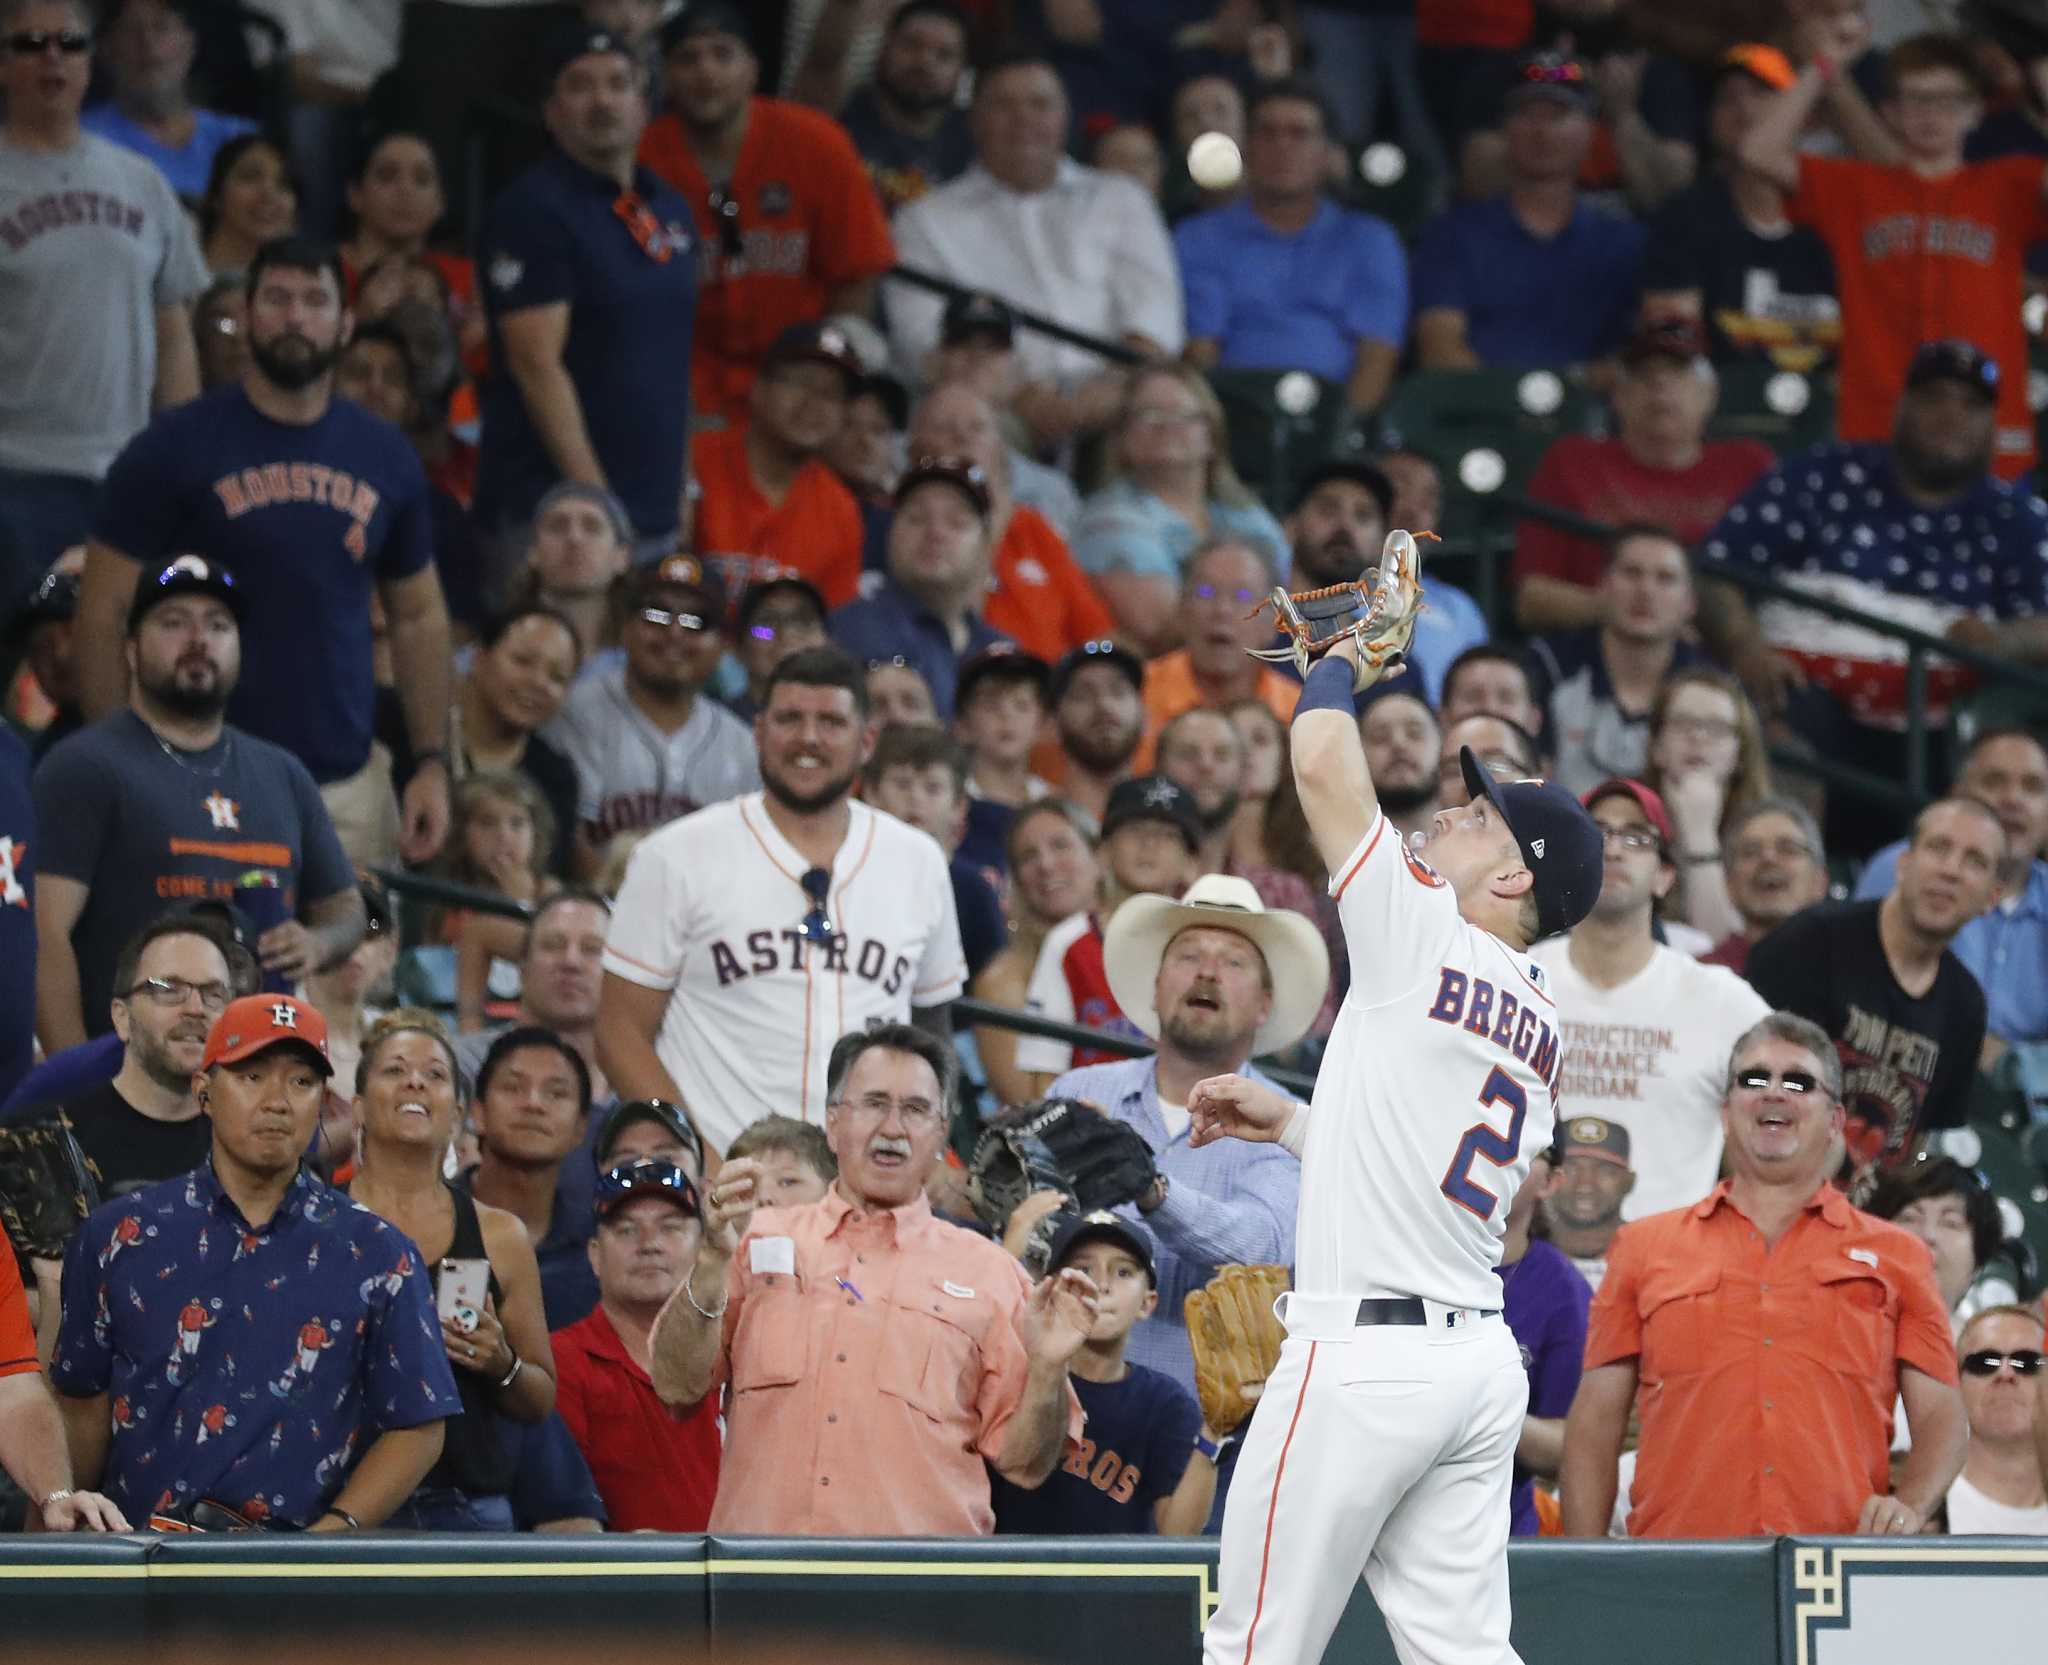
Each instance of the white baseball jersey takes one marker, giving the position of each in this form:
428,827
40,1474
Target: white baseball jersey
1438,1088
633,776
711,909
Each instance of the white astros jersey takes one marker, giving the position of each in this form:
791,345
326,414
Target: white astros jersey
711,909
1438,1088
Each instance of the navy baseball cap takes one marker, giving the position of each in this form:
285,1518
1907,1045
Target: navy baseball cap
957,472
187,575
1359,472
1561,842
656,1111
573,39
1001,662
54,599
970,317
707,17
1956,361
1073,1231
817,344
1157,798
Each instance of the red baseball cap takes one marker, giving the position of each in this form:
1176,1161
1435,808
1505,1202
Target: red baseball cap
257,1021
1647,801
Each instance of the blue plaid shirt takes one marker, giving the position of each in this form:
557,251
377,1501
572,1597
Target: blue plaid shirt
250,1366
1227,1204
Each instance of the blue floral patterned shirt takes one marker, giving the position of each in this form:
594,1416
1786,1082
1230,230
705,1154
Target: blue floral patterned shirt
249,1366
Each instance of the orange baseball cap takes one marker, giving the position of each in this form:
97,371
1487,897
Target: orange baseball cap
258,1021
1766,63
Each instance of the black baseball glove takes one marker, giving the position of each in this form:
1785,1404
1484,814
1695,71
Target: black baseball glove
1058,1144
46,1189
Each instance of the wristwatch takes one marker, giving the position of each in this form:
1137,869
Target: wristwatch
57,1496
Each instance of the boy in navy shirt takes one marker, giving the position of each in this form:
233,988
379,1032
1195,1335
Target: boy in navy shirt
1144,1463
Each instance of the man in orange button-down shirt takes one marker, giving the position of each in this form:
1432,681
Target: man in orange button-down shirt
1770,1329
876,1360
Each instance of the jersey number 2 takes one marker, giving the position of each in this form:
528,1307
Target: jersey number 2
1498,1148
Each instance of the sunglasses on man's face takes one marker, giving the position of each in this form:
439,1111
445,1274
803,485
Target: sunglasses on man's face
33,43
1796,1082
2025,1361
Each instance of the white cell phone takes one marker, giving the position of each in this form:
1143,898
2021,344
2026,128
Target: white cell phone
459,1290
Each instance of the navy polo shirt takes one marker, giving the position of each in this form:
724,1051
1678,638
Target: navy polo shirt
1527,299
557,233
310,518
892,623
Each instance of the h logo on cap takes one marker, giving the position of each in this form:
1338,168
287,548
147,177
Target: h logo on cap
284,1016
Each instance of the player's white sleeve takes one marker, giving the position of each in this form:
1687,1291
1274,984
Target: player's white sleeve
1049,994
1399,915
942,973
645,943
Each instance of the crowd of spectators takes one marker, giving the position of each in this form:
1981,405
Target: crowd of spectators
577,575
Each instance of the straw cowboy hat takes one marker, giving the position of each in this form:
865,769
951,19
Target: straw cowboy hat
1296,960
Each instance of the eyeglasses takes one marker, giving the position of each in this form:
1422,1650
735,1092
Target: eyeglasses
1796,1082
1785,849
913,1112
662,619
646,1177
817,924
1630,838
1704,728
175,991
892,662
1214,592
33,43
725,216
647,231
2025,1362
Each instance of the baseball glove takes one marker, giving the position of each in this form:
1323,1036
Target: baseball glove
1236,1340
1379,617
1057,1144
45,1188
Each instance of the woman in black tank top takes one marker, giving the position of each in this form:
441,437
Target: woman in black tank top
407,1107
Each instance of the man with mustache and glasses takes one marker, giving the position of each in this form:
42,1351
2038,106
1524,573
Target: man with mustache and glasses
751,935
318,508
1770,1328
875,1362
168,801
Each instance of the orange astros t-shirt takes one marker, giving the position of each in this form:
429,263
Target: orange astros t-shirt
809,222
816,528
1920,260
1042,600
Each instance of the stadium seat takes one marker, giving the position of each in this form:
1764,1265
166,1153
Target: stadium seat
2014,1157
1787,411
1279,423
1485,430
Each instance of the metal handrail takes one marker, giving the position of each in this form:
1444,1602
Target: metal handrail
1115,351
446,893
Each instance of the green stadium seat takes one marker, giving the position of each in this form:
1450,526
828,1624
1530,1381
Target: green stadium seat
1485,430
1280,423
1787,411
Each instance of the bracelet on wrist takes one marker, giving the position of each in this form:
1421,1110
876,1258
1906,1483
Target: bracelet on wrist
512,1375
1702,858
57,1496
691,1295
354,1525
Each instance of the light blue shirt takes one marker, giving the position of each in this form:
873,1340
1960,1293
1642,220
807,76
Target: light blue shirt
2006,950
186,167
1124,528
1230,1203
1293,300
1445,628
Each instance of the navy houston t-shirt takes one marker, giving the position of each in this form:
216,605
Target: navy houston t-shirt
310,520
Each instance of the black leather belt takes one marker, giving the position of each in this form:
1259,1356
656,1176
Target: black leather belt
1404,1309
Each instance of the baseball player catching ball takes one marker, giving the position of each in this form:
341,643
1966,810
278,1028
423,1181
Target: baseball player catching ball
1384,1441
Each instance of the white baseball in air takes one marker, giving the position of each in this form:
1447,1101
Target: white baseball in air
1540,392
1213,161
2034,313
1482,470
1296,393
1382,163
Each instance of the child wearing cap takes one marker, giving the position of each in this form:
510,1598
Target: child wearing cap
1145,1463
919,775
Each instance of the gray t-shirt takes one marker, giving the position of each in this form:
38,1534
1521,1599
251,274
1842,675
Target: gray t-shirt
92,241
634,777
240,822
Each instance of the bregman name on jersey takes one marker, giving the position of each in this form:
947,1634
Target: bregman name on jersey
1498,1016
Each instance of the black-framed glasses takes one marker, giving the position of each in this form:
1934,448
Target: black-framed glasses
1796,1082
662,619
33,43
891,662
175,991
817,924
725,218
2025,1361
1216,592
